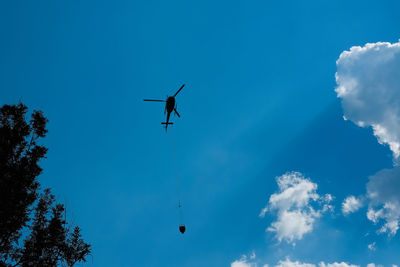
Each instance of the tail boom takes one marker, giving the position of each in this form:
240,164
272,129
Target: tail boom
166,124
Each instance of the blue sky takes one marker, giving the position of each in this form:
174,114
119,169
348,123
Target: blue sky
259,102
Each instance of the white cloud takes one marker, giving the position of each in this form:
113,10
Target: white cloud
368,81
296,215
372,246
289,263
243,262
337,264
351,204
292,225
326,199
240,263
383,191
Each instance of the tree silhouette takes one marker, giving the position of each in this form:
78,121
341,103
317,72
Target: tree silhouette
33,231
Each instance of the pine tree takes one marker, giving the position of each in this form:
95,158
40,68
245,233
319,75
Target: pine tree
32,229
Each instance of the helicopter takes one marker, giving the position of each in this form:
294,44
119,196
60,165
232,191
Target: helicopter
170,105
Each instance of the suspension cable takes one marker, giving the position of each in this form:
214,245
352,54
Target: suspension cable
180,209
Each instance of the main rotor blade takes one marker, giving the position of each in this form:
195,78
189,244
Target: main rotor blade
179,90
154,100
176,112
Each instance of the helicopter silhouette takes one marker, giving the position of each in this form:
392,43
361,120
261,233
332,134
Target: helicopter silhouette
170,105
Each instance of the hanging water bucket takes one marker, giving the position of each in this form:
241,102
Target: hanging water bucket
182,228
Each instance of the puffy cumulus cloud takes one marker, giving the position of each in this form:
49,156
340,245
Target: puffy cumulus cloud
351,204
295,214
292,225
368,81
289,263
383,191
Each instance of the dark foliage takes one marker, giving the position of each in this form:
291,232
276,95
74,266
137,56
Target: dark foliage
33,231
